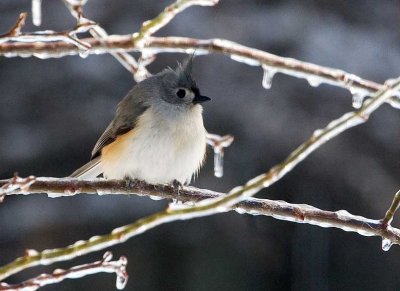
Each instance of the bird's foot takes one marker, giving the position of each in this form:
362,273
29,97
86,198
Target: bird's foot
177,187
130,182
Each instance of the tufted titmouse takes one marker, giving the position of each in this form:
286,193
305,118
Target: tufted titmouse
157,134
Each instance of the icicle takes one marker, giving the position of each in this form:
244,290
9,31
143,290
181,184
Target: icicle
122,275
121,282
386,244
358,97
84,54
314,81
37,12
268,76
240,210
218,162
218,143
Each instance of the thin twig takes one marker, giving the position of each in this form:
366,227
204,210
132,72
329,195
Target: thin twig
103,266
124,58
138,69
46,36
155,45
14,184
392,209
225,202
16,29
151,26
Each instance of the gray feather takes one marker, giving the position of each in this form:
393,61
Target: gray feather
128,112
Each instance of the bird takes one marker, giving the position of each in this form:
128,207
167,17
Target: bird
157,134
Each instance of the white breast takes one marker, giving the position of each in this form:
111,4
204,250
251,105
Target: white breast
161,150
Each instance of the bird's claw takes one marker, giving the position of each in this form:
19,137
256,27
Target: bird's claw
129,182
177,187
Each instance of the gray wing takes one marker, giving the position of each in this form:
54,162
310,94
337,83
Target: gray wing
128,112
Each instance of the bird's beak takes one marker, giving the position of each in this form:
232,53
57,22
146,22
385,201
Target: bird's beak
200,99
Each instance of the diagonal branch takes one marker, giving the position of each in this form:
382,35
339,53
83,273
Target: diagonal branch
16,29
392,209
103,266
224,203
124,58
315,74
151,26
299,213
138,69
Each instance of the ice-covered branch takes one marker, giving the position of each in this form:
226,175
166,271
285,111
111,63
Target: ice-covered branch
14,184
300,213
138,69
103,266
392,209
16,29
315,74
38,38
151,26
223,203
124,58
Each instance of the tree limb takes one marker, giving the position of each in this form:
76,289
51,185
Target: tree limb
282,210
125,43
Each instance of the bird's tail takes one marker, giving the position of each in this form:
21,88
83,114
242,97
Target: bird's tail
89,170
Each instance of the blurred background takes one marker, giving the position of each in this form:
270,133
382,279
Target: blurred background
52,112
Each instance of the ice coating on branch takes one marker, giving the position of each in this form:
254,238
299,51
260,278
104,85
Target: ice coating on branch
77,2
268,75
386,244
53,195
107,256
31,252
84,54
245,60
152,197
343,215
121,282
314,81
240,210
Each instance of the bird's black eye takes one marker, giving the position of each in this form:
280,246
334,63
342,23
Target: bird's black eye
181,93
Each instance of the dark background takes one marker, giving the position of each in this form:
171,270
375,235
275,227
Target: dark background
53,111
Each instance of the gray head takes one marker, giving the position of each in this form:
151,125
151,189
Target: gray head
176,87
